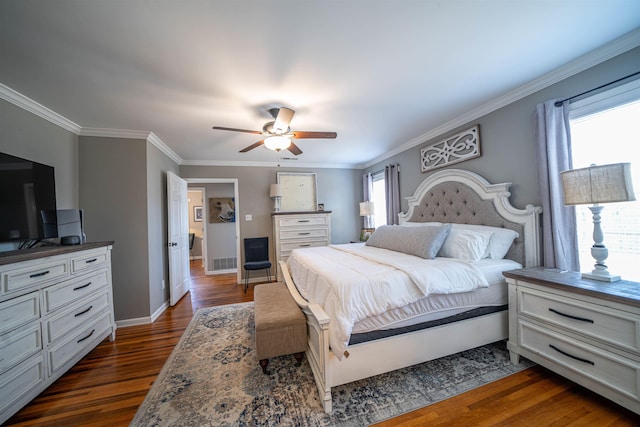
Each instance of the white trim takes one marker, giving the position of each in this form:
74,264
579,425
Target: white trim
591,59
28,104
283,163
133,322
150,137
159,311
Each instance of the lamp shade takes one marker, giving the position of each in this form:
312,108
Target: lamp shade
275,191
366,208
277,143
598,184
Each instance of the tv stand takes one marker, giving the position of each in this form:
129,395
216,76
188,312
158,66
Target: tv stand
56,305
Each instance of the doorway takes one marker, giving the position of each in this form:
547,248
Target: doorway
220,248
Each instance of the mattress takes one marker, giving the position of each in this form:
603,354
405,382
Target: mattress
440,306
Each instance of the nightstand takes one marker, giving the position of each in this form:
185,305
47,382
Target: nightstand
585,330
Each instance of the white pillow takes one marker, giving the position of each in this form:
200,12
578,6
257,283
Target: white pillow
500,242
467,245
420,224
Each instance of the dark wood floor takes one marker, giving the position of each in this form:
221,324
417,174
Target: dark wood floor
108,385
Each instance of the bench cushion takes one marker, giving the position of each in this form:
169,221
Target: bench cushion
281,327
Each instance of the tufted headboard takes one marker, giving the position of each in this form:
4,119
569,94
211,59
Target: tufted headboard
463,197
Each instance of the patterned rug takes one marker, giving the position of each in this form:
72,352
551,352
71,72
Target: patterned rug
212,378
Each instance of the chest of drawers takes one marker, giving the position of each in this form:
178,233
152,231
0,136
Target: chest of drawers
585,330
56,305
299,230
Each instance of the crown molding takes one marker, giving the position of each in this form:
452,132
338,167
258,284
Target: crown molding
28,104
150,137
610,50
284,163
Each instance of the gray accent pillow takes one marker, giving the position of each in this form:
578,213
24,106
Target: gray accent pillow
424,242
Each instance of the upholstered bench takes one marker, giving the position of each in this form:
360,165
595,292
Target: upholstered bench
281,327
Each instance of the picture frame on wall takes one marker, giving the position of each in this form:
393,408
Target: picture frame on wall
299,191
197,213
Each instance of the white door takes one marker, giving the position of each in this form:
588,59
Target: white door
177,213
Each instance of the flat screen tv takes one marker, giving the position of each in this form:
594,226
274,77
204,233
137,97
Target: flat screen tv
27,190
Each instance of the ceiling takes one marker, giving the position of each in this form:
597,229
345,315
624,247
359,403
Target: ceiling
384,75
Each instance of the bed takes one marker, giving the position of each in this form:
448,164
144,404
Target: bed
383,339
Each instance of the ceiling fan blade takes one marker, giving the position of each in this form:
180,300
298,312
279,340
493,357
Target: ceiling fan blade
302,134
252,146
283,119
257,132
294,149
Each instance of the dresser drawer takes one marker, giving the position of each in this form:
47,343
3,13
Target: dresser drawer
21,380
19,311
89,260
287,247
75,316
19,345
615,372
72,347
312,233
62,294
305,222
616,327
30,274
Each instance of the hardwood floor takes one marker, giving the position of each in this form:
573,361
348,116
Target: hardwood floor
108,385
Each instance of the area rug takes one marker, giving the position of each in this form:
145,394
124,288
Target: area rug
212,378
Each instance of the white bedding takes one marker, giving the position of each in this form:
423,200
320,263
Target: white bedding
437,307
354,282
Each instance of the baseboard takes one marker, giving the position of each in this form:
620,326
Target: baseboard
159,311
143,320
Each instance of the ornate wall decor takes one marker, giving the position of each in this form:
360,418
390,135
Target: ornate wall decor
455,149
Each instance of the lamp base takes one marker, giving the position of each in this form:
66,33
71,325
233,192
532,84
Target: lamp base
603,277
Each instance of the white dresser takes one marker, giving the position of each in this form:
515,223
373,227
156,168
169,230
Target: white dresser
56,305
585,330
292,230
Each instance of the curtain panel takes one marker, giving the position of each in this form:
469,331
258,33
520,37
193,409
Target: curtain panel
553,143
392,190
367,192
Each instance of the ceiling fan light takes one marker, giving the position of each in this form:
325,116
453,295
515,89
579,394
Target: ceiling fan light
277,143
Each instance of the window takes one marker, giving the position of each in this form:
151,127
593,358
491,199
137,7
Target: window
379,199
603,131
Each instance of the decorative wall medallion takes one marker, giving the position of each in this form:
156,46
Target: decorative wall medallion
455,149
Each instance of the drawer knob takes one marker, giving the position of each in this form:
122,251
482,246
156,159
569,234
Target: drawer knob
559,313
89,261
303,234
303,220
579,359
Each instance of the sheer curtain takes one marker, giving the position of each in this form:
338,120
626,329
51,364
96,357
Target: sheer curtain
367,192
553,143
392,190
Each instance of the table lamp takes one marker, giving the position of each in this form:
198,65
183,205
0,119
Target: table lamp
592,186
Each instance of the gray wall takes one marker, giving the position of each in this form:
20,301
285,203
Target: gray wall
113,193
508,138
221,237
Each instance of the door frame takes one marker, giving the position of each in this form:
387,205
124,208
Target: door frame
236,196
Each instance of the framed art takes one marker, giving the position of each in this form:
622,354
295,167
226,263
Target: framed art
222,209
455,149
197,213
299,191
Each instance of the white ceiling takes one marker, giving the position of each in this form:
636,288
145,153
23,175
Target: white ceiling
383,74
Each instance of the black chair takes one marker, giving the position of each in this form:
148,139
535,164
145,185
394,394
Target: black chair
192,237
256,257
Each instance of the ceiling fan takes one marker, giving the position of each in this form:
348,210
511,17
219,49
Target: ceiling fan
277,133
